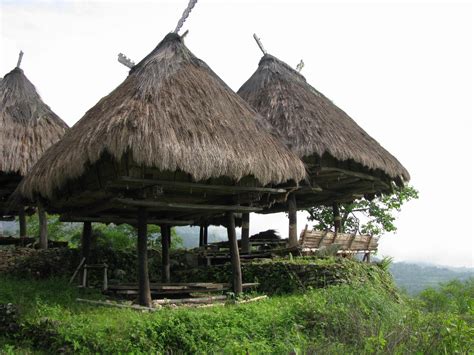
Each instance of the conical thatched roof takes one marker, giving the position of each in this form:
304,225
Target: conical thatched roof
27,125
172,113
311,124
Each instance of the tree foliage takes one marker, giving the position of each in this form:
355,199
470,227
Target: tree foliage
367,217
111,235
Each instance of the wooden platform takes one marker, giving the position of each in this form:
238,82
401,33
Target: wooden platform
218,253
174,289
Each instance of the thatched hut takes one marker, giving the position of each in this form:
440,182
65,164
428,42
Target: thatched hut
343,161
172,144
27,128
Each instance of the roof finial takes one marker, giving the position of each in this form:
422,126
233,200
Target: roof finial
20,57
300,66
259,42
125,60
184,34
185,15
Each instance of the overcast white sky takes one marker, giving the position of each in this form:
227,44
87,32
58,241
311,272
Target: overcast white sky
402,70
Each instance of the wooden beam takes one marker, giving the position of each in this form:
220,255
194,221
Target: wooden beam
144,294
306,189
92,209
327,169
127,181
183,206
119,220
234,254
165,252
245,244
292,225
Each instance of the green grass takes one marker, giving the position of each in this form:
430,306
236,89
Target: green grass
349,318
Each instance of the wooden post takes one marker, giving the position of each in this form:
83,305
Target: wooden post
22,220
292,230
245,233
234,254
205,234
201,236
337,218
86,243
43,226
144,295
165,252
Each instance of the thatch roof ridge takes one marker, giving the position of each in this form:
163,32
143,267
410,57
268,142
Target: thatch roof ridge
27,125
172,113
309,123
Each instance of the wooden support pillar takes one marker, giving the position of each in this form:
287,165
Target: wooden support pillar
165,252
292,230
201,236
337,218
22,221
234,254
245,241
86,240
206,227
85,248
144,295
43,228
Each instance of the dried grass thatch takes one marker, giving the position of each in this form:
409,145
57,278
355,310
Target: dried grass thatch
309,123
27,125
172,113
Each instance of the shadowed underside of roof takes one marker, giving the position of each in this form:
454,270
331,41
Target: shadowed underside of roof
172,113
309,123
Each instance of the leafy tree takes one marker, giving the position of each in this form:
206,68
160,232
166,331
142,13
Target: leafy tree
57,230
368,217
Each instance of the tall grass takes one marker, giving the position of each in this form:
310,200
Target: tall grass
349,318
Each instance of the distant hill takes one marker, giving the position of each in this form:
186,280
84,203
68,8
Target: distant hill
415,277
190,235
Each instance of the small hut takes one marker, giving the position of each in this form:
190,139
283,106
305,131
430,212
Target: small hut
343,161
171,145
27,128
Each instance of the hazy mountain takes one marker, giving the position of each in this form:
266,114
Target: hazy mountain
190,235
414,277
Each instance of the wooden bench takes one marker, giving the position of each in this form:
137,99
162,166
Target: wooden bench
347,244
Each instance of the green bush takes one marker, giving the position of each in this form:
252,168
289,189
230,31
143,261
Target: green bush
294,275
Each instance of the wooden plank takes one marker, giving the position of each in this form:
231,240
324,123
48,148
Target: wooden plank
183,206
